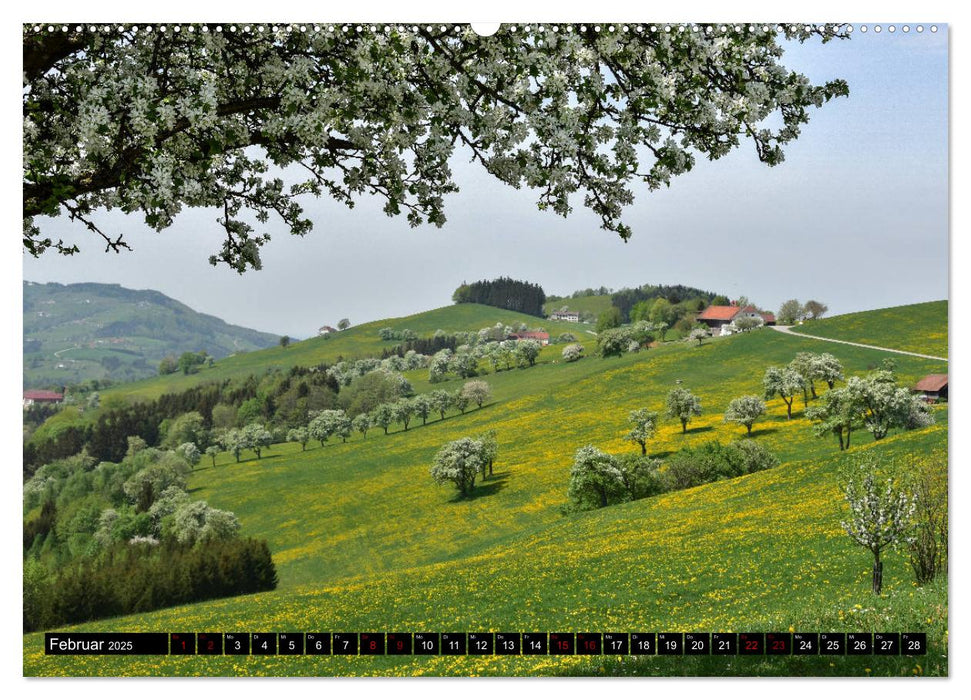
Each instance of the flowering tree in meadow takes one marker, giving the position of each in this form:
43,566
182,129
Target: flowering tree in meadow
572,352
880,513
745,410
477,392
299,435
784,382
459,462
643,427
151,121
595,479
682,404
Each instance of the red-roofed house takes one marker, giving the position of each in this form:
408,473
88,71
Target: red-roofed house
39,396
542,336
720,318
933,387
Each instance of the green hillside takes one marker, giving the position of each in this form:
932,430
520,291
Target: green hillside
355,342
918,328
364,541
77,332
595,305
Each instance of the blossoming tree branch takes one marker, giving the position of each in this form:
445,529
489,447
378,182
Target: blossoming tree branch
250,121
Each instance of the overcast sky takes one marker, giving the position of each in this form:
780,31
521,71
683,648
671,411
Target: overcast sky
856,217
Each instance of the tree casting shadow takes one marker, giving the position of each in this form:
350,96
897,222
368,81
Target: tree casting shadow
493,485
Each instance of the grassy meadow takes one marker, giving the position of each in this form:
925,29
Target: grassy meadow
364,540
918,328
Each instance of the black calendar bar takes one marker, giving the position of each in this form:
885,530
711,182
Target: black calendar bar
487,643
114,643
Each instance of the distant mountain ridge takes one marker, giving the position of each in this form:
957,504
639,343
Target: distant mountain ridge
77,332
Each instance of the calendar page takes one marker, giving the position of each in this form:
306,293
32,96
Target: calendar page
524,349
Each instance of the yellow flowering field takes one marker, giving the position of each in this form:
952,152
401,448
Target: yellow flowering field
365,541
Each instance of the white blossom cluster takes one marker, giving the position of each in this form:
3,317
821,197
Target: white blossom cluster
249,119
880,513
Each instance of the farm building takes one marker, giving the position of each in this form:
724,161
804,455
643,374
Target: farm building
933,387
326,330
720,318
573,316
541,336
39,396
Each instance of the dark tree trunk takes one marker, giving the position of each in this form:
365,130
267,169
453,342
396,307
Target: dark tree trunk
643,448
840,436
788,406
749,427
603,498
684,426
812,389
877,573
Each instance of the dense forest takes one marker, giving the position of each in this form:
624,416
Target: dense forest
504,293
625,299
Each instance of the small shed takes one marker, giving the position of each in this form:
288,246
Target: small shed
933,387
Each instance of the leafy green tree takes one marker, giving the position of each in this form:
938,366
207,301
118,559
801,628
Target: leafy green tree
188,427
745,410
250,411
257,438
526,352
881,513
145,485
886,406
152,122
343,324
197,521
299,435
461,400
328,423
699,334
682,404
490,449
829,369
423,407
459,462
839,415
361,423
613,342
595,479
168,365
285,341
213,451
662,311
189,452
404,411
189,362
383,416
477,392
643,427
747,323
441,401
233,440
610,318
790,312
640,476
814,309
784,382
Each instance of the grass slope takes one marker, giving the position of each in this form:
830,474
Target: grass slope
595,305
355,342
365,541
915,328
